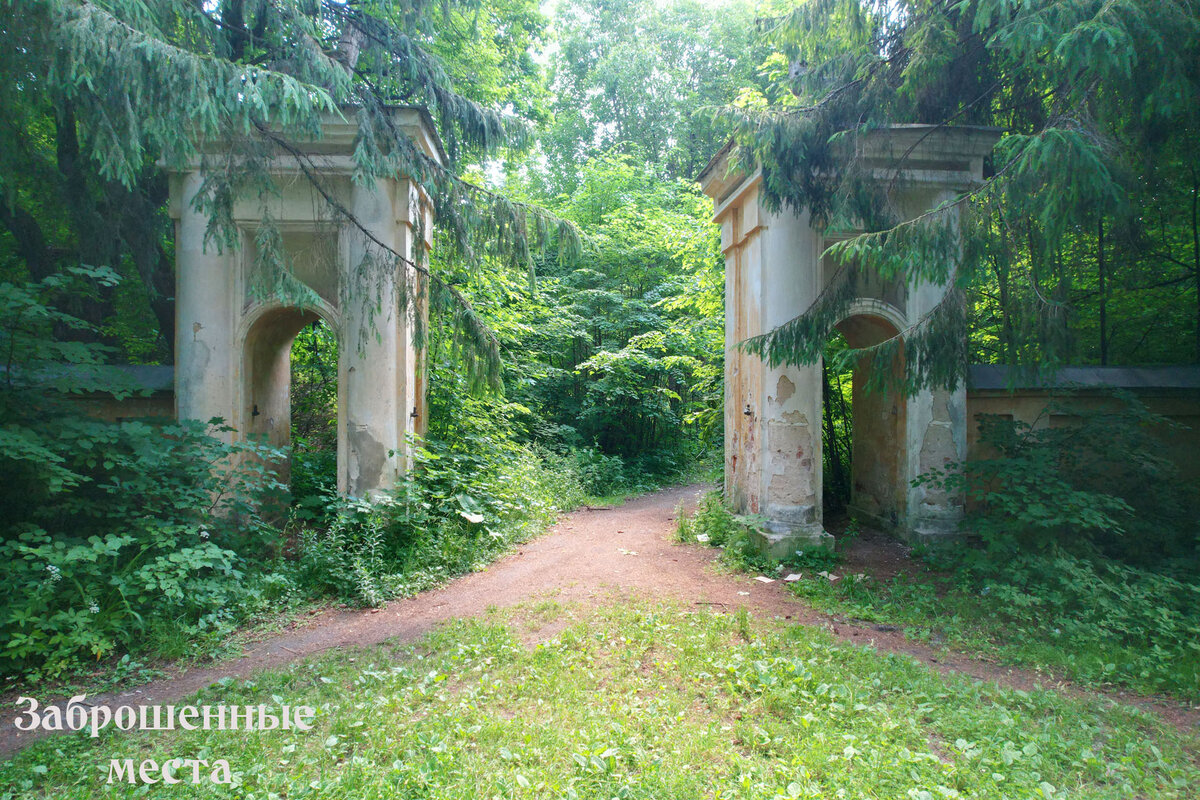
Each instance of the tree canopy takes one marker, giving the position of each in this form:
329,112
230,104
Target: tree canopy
103,91
1089,204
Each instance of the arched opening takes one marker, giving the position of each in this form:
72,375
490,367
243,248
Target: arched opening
837,436
268,381
314,405
863,432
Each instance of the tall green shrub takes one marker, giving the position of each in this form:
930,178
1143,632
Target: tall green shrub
1097,485
113,536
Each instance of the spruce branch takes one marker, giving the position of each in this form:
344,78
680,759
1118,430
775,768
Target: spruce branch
476,331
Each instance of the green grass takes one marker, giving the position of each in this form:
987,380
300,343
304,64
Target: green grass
642,701
993,626
1096,623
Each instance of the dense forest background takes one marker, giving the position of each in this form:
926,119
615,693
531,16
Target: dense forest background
599,113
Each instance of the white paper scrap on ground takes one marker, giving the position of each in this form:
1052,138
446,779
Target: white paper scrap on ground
764,579
829,575
744,594
793,576
627,552
702,538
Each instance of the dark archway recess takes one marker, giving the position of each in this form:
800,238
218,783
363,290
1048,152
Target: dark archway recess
878,452
314,405
267,377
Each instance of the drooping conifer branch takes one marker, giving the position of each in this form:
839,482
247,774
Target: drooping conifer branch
1061,78
169,80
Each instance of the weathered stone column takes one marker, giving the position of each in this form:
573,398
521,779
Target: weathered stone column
937,419
205,355
370,343
772,415
413,216
774,273
791,401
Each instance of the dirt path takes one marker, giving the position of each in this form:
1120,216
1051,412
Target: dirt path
590,556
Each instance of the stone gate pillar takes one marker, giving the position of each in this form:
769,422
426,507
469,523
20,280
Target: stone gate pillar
775,271
233,343
205,352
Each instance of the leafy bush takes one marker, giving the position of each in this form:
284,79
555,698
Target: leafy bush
1083,559
712,519
599,475
633,401
1094,487
452,513
128,535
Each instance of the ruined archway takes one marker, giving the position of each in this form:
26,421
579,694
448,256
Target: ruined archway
233,337
776,269
266,398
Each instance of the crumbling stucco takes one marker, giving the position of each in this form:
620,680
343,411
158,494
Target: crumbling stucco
368,457
784,390
233,347
776,270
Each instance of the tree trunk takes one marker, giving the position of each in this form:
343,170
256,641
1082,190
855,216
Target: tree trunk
1196,252
1103,293
837,472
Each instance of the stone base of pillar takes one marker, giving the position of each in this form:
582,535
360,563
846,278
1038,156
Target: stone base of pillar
934,526
891,524
780,540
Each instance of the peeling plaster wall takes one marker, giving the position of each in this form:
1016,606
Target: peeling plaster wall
791,408
740,239
372,386
937,436
878,462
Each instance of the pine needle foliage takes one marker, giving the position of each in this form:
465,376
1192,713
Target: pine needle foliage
1088,95
235,84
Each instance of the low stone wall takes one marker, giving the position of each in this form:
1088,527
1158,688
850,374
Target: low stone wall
153,397
1171,392
160,405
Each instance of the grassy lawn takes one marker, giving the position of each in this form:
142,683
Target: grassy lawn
1101,625
641,701
1005,631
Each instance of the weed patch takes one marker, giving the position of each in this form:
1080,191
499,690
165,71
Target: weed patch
1094,620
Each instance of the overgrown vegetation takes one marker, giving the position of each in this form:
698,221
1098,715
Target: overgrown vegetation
454,512
602,377
715,525
1093,483
638,701
158,538
116,536
575,341
1081,556
1097,623
1082,241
